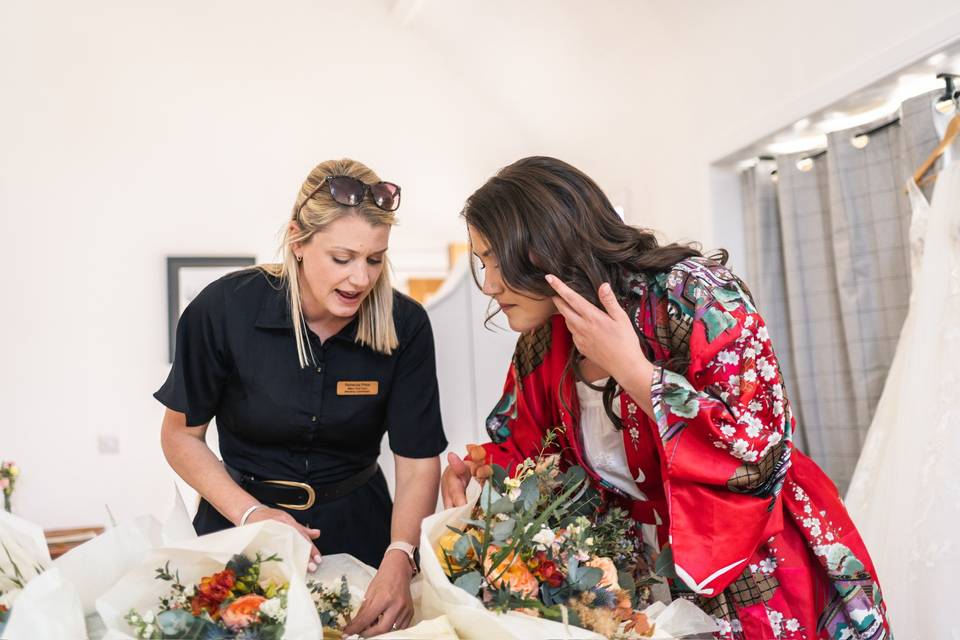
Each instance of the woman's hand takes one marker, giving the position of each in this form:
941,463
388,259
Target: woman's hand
456,477
388,605
606,337
282,516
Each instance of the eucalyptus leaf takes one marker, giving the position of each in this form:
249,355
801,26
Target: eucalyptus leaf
502,530
628,584
588,578
179,623
489,496
498,477
470,582
503,505
573,475
664,565
529,492
460,548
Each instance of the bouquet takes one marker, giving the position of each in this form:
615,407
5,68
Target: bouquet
23,557
246,582
540,542
234,602
8,478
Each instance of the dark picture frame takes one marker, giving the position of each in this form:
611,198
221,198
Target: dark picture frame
187,276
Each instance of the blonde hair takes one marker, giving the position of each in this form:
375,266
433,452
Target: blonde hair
376,328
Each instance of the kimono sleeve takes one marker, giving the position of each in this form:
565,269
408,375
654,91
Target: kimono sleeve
726,432
527,409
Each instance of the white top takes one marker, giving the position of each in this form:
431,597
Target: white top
602,443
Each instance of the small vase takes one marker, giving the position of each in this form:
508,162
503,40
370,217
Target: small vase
6,502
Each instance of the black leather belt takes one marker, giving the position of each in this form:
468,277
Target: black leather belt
299,496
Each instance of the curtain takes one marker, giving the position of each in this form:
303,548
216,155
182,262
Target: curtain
844,267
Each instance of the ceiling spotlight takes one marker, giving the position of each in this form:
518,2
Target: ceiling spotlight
937,59
861,141
805,164
774,177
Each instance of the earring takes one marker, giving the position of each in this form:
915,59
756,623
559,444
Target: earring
299,258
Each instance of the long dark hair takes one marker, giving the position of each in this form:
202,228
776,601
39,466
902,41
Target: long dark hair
541,215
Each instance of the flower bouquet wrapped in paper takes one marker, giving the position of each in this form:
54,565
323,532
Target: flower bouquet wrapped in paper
23,556
247,582
536,555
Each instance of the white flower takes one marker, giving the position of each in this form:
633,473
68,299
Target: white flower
807,508
768,565
748,321
749,353
728,357
776,618
750,375
777,391
149,617
768,371
777,407
753,430
741,449
273,608
724,626
763,334
148,631
736,626
754,406
545,537
774,438
728,430
793,625
829,536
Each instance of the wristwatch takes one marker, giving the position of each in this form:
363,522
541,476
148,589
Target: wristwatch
412,553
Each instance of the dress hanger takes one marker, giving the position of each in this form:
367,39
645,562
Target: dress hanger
951,134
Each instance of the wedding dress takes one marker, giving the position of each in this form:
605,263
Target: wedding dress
905,494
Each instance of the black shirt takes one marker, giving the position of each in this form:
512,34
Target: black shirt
236,359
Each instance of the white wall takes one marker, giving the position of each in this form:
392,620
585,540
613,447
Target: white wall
130,131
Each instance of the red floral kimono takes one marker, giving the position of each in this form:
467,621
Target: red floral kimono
758,534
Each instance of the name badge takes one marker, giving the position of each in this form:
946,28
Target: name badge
358,388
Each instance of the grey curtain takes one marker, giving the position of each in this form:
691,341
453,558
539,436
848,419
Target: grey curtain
844,266
766,269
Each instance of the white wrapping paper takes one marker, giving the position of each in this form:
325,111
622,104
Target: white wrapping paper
203,556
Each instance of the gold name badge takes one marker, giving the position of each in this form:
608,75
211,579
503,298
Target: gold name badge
358,388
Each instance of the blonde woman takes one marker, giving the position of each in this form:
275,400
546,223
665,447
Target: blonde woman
305,365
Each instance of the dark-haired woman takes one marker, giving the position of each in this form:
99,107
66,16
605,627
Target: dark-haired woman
661,372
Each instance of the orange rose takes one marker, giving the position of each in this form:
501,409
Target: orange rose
517,577
446,544
243,611
610,580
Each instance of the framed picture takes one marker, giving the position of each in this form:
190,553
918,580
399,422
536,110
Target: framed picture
186,277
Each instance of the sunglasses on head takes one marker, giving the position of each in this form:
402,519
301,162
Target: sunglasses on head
351,192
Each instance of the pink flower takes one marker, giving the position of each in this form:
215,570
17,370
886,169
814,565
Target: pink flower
4,483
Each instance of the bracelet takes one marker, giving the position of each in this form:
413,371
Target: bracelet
246,514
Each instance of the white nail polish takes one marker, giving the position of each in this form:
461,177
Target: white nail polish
311,567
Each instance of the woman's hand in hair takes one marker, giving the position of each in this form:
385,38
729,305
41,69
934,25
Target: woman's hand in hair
606,337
